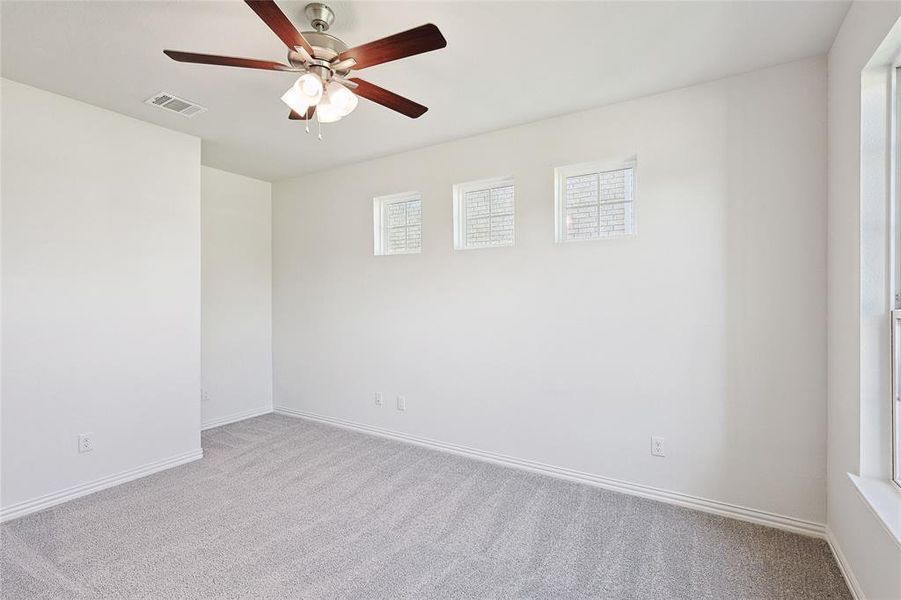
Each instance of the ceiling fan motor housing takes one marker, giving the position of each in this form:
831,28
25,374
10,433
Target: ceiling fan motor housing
320,16
325,48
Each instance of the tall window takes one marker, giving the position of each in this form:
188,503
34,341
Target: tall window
594,201
896,313
397,223
483,213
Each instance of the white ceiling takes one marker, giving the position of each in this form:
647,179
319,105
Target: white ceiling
505,63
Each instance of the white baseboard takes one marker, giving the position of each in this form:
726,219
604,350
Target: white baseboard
20,509
844,566
235,417
725,509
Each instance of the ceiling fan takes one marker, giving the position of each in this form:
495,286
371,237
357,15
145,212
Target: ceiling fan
325,88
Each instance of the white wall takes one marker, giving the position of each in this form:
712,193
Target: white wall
855,362
101,295
237,297
708,328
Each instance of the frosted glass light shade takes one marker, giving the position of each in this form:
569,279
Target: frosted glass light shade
310,86
296,100
327,112
342,98
305,92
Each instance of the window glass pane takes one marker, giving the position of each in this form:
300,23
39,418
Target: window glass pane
414,212
613,186
414,238
397,239
478,231
502,200
502,229
477,204
582,189
397,214
582,222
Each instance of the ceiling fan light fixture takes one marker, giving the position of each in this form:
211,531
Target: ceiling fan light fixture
310,86
327,111
342,98
306,92
296,100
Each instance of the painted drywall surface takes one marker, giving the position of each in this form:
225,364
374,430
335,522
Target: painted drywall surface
101,292
706,328
873,555
237,295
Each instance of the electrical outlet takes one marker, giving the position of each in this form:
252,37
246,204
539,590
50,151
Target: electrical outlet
378,399
401,403
85,442
657,446
204,396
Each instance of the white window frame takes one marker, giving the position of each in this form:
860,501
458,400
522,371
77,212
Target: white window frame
380,226
896,397
588,168
460,221
895,191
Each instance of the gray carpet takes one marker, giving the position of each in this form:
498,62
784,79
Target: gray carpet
286,508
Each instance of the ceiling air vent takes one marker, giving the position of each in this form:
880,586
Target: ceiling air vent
179,105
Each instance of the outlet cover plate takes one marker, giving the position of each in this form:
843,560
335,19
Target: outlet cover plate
658,447
85,442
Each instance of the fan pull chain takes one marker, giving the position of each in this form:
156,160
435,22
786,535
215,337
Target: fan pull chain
319,124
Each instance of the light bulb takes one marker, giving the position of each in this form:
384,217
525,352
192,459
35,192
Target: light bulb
310,86
342,98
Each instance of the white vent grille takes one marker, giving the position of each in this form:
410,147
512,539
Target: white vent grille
175,104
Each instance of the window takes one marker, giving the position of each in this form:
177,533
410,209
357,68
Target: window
896,400
397,223
895,189
594,201
483,214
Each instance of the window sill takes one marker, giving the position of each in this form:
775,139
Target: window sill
884,499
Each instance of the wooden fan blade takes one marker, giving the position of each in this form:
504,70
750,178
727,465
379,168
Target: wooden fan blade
273,16
296,116
424,38
226,61
388,99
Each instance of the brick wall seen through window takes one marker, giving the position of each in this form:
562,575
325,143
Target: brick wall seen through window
398,224
484,214
594,203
